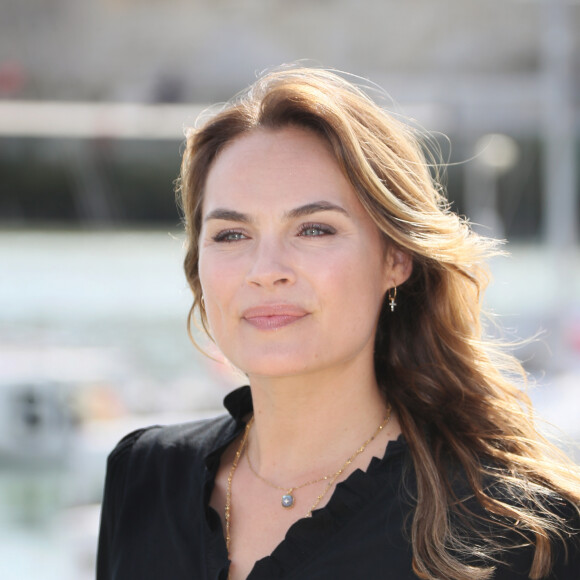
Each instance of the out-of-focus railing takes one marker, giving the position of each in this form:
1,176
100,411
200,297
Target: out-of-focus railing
95,120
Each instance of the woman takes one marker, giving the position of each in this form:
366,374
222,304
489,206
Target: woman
379,436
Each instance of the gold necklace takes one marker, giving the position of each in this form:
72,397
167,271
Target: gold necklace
228,510
288,500
330,478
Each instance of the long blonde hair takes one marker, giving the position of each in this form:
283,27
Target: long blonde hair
459,407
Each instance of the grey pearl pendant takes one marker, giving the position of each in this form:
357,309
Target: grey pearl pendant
287,500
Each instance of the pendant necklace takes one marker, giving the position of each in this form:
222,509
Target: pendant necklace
288,499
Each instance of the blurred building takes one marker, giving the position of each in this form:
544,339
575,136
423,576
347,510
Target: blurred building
465,69
202,50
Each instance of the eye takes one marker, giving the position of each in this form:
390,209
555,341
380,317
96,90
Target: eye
315,230
229,236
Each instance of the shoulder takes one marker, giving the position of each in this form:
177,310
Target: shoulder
155,478
152,454
148,458
508,520
516,561
149,462
196,439
543,515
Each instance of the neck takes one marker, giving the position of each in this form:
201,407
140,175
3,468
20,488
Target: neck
305,424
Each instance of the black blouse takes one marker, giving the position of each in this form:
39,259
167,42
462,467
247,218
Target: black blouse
156,522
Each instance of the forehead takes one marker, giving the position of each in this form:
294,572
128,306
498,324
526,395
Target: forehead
275,166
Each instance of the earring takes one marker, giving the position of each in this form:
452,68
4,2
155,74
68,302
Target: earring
392,295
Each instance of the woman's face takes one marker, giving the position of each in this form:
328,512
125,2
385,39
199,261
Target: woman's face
292,268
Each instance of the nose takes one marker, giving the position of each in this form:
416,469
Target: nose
271,265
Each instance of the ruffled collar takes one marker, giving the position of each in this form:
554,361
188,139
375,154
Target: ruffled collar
350,497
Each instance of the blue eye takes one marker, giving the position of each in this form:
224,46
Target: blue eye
316,230
229,236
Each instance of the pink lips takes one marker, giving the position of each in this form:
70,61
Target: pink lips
274,316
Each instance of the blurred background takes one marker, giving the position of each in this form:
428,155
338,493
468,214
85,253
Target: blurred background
94,97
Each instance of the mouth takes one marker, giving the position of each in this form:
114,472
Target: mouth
273,317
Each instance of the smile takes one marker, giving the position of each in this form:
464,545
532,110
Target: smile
273,317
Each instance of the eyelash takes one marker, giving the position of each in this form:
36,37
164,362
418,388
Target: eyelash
326,230
225,235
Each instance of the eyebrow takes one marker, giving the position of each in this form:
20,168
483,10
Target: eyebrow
311,208
228,215
302,211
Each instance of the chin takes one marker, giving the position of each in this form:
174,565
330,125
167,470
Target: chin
272,365
274,370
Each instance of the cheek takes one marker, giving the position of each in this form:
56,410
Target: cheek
355,286
220,283
211,280
204,276
211,274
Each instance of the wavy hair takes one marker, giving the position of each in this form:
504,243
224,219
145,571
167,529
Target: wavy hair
455,392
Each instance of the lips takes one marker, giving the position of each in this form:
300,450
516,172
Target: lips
273,316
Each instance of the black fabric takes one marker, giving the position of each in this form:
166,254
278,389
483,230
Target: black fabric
156,523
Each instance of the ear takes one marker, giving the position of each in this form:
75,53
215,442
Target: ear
398,267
